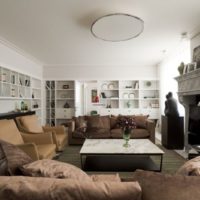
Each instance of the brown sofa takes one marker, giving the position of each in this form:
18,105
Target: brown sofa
37,146
101,127
30,124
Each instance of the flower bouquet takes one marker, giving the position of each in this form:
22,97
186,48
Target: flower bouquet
126,124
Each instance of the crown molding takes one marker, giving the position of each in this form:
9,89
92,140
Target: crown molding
20,51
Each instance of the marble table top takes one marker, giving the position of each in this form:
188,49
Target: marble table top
115,146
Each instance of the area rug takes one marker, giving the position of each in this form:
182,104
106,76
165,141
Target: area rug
171,160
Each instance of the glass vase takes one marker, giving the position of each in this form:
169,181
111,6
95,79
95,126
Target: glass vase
126,137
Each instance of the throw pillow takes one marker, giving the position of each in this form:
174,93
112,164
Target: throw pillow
157,186
12,158
94,122
82,126
78,121
141,121
113,122
54,169
3,163
190,168
32,188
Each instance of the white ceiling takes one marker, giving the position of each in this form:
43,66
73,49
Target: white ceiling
57,32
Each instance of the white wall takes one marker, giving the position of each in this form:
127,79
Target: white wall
99,72
13,59
168,70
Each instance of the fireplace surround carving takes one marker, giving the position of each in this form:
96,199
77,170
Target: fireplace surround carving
189,95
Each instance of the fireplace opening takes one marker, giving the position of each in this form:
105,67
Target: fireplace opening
194,125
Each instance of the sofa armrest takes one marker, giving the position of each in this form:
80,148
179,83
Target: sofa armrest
151,130
71,128
38,138
57,129
30,149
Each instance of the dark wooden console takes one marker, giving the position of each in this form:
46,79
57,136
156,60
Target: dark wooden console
172,132
13,115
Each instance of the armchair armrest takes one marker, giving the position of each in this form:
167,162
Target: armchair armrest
30,149
57,129
38,138
151,130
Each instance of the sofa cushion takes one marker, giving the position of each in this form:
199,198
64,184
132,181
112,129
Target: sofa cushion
46,150
116,133
141,121
54,169
105,121
139,133
31,124
135,133
190,168
79,121
114,122
12,158
157,186
106,177
25,188
94,122
98,133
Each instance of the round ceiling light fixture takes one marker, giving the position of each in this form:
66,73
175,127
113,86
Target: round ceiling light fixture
117,27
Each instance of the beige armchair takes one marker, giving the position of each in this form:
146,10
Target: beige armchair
38,146
30,124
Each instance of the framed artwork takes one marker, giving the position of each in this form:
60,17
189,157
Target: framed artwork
196,54
185,69
93,95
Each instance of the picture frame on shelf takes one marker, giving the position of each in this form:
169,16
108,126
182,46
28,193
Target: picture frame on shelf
93,95
131,95
191,66
125,95
136,86
111,86
104,86
185,69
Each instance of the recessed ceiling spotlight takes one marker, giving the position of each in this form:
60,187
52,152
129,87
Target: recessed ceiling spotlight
117,27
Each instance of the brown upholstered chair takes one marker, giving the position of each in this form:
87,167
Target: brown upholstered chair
38,146
30,124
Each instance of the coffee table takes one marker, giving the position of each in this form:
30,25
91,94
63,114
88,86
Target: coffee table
110,155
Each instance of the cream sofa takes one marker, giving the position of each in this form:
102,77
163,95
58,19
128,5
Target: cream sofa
37,146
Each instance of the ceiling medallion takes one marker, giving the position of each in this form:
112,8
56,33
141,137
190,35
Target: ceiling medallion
117,27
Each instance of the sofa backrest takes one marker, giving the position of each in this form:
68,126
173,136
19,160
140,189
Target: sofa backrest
29,123
9,132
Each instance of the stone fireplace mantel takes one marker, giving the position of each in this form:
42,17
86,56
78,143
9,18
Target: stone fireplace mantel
188,90
189,84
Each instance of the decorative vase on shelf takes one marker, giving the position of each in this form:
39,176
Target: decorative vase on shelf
181,68
126,137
